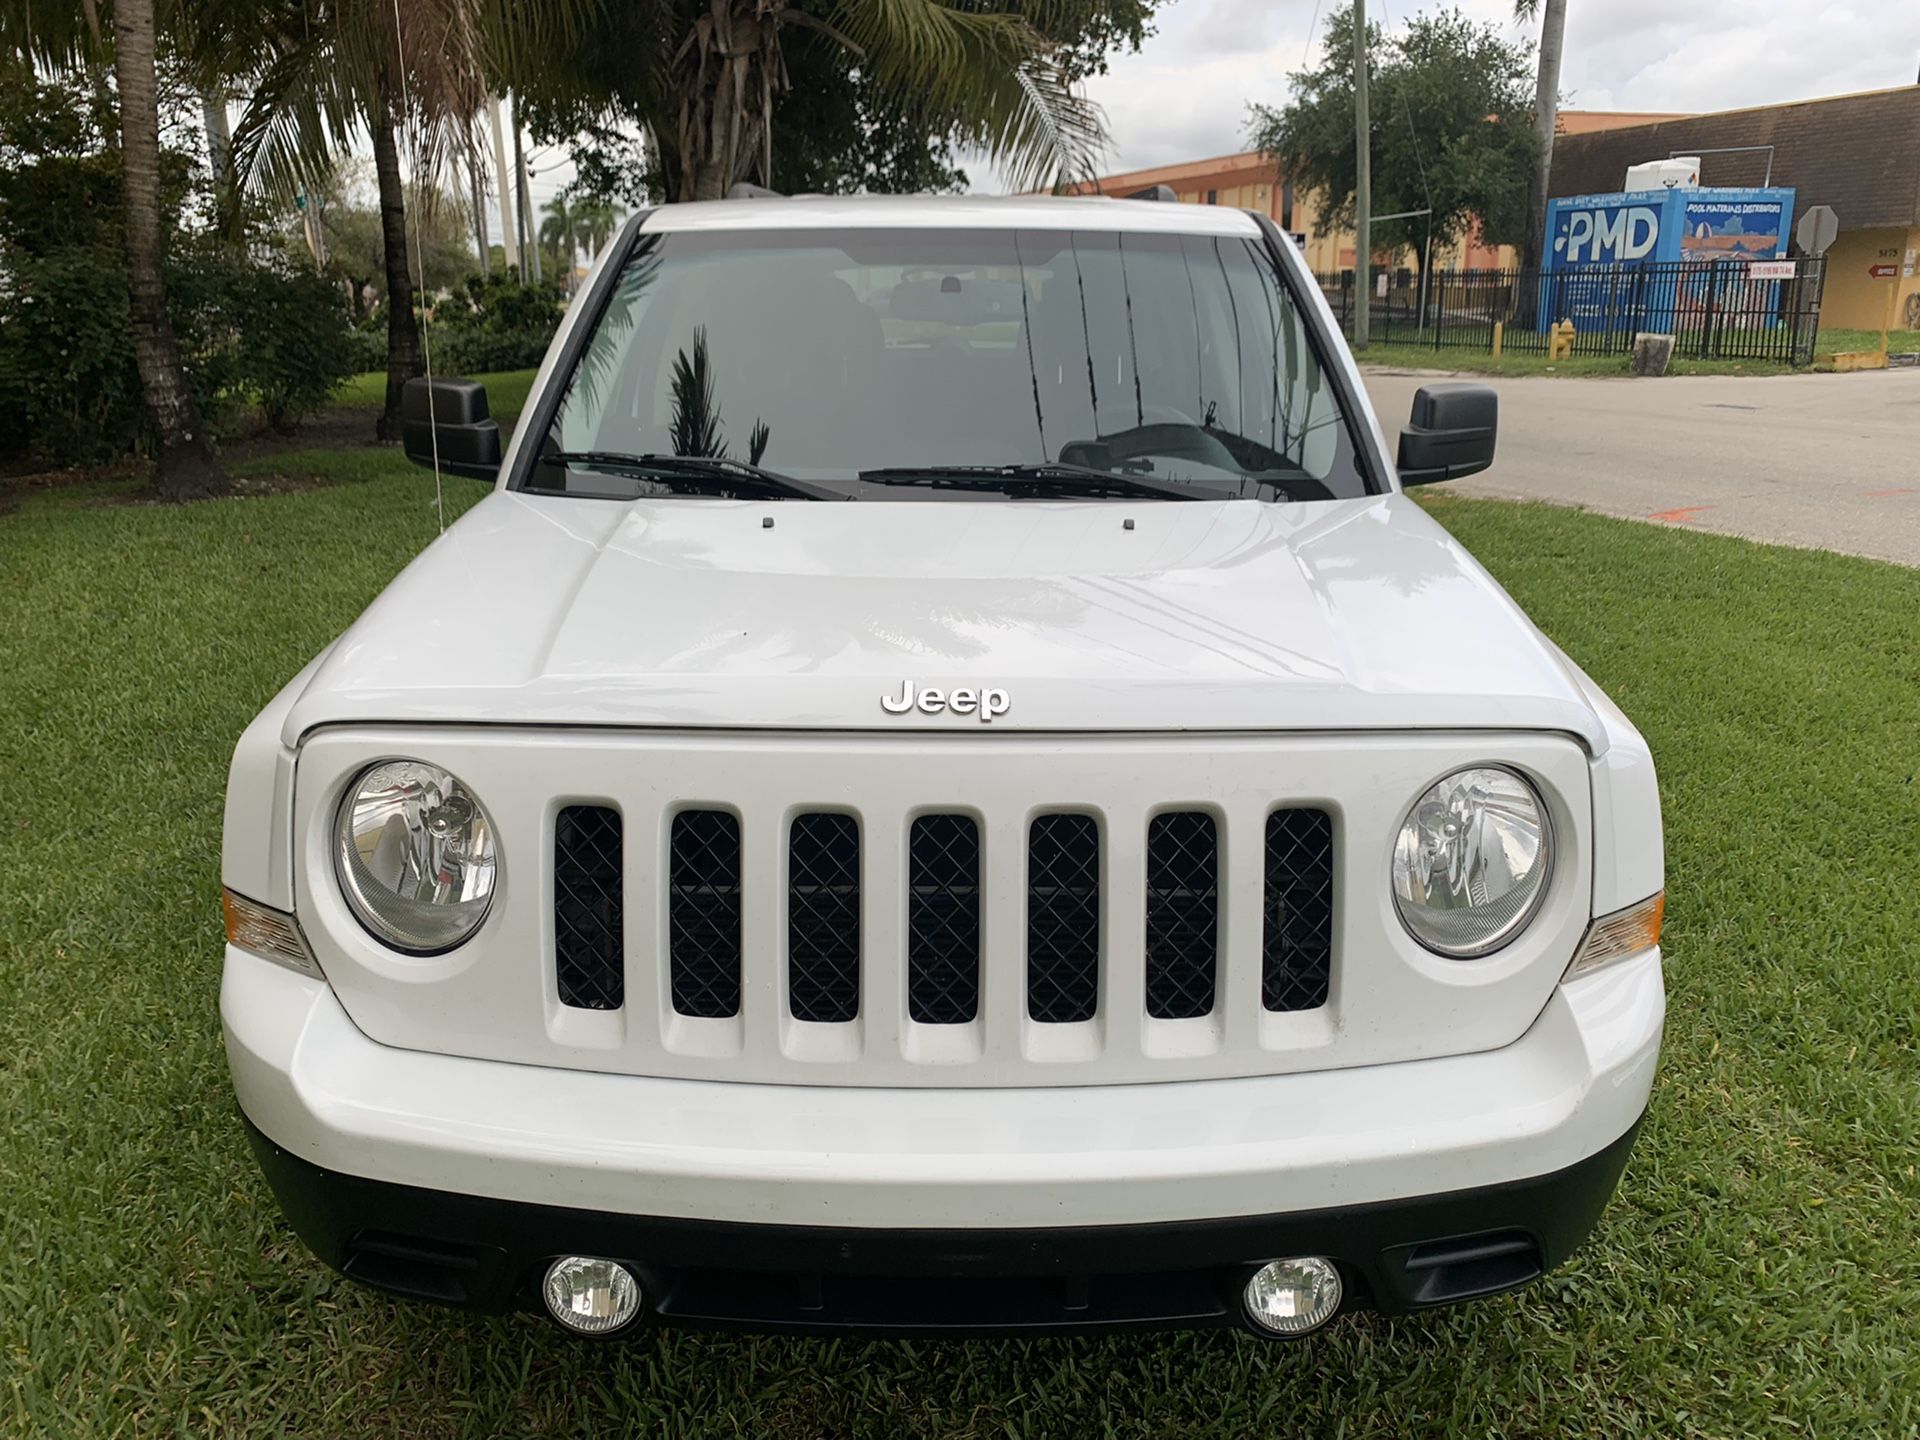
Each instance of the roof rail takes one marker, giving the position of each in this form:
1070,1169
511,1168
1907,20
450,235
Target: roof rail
741,190
1153,192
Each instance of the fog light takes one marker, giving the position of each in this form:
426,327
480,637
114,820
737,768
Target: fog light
590,1296
1293,1297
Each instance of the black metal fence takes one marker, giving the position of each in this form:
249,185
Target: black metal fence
1719,309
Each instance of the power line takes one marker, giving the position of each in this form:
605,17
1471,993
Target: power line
1419,158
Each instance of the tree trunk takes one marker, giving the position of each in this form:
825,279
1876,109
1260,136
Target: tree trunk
478,187
184,465
727,75
403,333
1546,114
529,228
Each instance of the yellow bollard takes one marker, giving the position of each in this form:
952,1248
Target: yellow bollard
1499,338
1560,341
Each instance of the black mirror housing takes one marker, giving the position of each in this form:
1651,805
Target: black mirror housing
1450,433
468,439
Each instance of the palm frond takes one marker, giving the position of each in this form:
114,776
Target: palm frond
297,120
60,37
989,76
696,427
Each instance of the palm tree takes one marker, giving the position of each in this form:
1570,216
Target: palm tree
1546,114
557,236
325,74
594,220
987,76
184,464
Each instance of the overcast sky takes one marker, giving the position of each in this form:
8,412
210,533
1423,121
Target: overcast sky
1185,95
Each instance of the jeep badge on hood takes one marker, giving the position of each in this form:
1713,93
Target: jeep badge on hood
961,701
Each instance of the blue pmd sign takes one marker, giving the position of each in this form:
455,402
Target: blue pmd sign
1599,248
1664,226
1590,230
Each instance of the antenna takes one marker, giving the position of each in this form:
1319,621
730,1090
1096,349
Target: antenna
420,265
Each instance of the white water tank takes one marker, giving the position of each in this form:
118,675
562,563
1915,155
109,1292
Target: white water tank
1680,173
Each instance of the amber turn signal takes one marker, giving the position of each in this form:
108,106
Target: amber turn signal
1624,933
268,933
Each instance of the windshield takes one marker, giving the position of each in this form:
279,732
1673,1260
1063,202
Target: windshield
922,364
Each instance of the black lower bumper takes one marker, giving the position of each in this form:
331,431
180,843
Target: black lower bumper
1396,1255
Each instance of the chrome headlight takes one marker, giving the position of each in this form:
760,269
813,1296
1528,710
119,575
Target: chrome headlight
415,856
1472,862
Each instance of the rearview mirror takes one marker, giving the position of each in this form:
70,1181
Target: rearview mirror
1450,433
450,416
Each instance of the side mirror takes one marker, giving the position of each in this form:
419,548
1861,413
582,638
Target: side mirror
467,440
1450,433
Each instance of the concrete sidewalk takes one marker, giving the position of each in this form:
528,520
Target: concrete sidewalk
1825,461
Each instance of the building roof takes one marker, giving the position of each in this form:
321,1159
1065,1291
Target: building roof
1858,153
959,212
1237,169
1585,122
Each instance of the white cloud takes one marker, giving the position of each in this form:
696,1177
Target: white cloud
1185,95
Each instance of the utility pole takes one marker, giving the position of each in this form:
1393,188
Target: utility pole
1363,183
213,115
478,186
1546,115
509,235
529,232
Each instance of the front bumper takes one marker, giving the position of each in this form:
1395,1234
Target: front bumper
794,1207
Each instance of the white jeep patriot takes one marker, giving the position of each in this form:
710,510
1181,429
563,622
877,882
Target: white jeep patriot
947,788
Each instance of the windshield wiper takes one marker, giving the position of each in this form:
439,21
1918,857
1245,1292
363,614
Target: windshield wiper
708,473
1051,477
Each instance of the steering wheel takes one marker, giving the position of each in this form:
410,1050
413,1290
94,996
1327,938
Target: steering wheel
1172,439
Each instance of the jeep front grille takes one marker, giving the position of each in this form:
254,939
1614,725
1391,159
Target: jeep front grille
1063,918
703,914
943,920
1183,910
588,938
1296,962
1178,922
823,918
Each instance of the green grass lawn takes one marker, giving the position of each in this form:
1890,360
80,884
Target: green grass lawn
1756,1275
1898,341
1479,362
506,391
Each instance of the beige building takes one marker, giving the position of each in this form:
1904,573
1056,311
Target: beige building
1251,180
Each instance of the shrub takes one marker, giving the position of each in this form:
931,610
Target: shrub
250,332
369,341
498,324
69,390
290,338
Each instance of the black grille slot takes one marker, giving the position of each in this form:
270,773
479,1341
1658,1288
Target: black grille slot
703,913
943,920
823,918
1297,953
1183,910
1063,918
587,933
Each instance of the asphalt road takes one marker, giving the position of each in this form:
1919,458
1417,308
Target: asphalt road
1826,461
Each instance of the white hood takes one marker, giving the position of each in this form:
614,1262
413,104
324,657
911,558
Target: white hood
1359,614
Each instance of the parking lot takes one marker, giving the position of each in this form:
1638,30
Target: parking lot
1824,461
